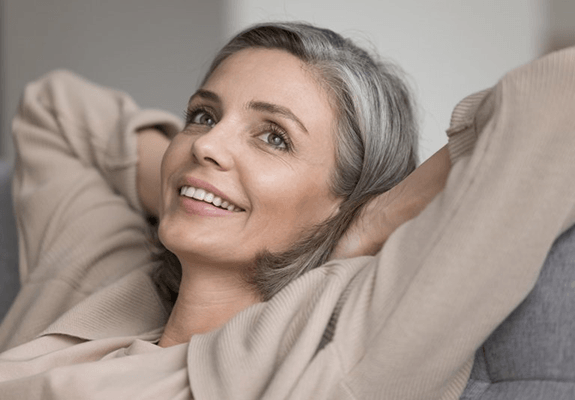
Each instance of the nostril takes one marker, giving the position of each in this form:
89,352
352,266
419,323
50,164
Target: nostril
208,151
209,159
205,159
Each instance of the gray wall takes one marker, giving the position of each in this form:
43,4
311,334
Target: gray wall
154,50
561,28
449,48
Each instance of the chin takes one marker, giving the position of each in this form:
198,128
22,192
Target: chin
195,248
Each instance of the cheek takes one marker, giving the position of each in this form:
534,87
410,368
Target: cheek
175,156
294,200
175,153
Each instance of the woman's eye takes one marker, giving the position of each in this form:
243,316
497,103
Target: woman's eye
202,118
274,139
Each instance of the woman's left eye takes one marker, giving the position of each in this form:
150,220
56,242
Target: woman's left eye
203,118
274,139
200,117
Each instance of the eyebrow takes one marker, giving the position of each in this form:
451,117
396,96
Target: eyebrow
254,105
206,95
276,109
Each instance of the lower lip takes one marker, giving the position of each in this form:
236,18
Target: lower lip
198,207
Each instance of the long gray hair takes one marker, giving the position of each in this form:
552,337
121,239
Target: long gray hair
376,142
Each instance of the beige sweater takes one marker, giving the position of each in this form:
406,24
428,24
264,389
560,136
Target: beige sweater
401,325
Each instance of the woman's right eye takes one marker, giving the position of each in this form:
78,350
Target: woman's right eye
200,117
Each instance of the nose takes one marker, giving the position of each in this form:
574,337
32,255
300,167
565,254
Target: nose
214,148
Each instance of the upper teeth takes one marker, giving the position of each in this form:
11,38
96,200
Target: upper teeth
201,194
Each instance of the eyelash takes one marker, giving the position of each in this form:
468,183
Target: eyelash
271,128
191,114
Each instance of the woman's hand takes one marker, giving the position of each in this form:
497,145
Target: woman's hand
152,145
386,212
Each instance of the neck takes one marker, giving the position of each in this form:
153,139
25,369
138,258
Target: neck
207,299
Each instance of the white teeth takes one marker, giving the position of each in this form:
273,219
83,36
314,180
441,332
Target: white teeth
189,191
199,194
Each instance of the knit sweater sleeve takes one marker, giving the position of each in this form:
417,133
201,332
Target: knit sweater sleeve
445,280
79,218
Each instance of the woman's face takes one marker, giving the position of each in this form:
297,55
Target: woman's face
259,139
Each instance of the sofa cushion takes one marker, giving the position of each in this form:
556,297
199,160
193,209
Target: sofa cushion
532,353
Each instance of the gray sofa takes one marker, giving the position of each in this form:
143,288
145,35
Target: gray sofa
9,283
531,356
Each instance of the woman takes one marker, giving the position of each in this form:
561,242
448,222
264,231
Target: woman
273,140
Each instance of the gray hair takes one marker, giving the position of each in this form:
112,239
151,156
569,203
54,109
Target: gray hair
376,139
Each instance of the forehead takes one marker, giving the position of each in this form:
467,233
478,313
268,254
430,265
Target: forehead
274,66
273,76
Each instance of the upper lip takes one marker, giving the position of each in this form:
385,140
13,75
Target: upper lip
200,184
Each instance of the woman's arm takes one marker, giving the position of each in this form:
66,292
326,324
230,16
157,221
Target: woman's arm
78,213
385,213
446,279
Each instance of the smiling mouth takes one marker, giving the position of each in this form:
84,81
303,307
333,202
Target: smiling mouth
208,197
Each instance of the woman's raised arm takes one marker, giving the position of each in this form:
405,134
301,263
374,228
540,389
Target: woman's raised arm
386,212
445,280
77,209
